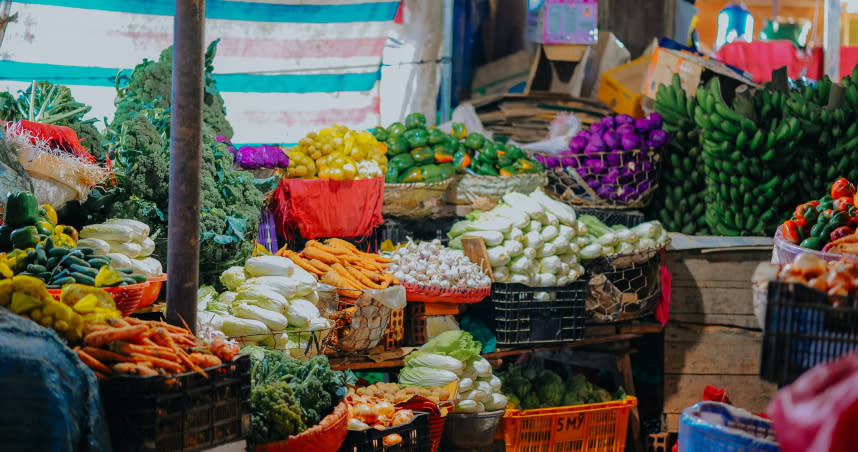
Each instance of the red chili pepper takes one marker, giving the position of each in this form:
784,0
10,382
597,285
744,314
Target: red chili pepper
841,232
789,231
842,187
843,203
801,222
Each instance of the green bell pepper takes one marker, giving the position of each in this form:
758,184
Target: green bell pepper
380,133
442,154
422,155
22,209
475,141
461,160
396,144
401,162
507,171
413,175
396,129
431,173
392,175
814,243
447,170
513,152
459,130
415,120
25,237
5,238
416,138
437,136
486,169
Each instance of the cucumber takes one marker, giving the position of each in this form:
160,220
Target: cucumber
139,277
53,286
71,260
86,251
36,268
62,274
59,251
98,262
83,270
63,281
126,270
52,262
49,243
41,256
129,280
83,279
45,276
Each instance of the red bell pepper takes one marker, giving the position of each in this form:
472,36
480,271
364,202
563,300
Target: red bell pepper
843,203
789,231
842,187
806,211
841,232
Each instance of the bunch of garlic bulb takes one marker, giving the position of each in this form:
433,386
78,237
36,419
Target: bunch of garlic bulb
432,264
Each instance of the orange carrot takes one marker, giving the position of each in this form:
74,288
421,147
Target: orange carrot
363,279
205,360
324,256
321,266
93,363
158,362
303,263
381,259
107,355
134,369
345,274
341,243
99,338
330,249
163,338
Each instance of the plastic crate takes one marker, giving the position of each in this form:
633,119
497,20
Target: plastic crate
415,437
803,329
187,412
627,218
718,427
582,428
519,320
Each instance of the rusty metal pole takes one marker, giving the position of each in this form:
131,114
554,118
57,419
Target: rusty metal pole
183,232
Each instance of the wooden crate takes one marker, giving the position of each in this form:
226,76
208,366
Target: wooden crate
724,357
714,287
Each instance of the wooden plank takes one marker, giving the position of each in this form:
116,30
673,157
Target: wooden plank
711,350
726,266
711,300
744,391
640,328
475,249
600,330
737,320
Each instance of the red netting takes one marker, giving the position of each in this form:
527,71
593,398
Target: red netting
431,294
318,208
58,137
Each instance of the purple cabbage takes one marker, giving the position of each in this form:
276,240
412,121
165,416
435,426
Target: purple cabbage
578,144
569,161
630,141
657,138
264,156
593,166
608,122
583,133
611,140
656,121
621,120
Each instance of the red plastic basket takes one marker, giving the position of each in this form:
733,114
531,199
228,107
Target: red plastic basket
126,297
326,436
429,294
152,291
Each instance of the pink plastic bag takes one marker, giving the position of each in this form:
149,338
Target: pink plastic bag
819,411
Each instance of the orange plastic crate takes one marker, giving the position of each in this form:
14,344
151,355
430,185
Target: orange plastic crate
595,427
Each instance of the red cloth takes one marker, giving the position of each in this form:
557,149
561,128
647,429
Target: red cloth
60,137
662,311
760,58
819,411
319,208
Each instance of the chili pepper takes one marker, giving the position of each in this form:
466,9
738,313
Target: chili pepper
814,243
843,203
415,120
22,209
789,231
840,232
474,141
841,187
801,222
459,130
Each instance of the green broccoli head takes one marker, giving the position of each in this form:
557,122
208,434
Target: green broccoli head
550,394
571,398
530,401
547,377
275,414
518,385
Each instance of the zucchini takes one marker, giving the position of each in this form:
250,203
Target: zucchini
36,268
63,281
139,277
126,270
83,279
98,262
83,270
59,251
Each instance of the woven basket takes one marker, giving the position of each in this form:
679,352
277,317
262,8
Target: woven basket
569,183
326,436
412,200
465,190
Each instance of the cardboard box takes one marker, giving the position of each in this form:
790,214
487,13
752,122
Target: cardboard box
553,68
621,87
693,70
506,75
564,22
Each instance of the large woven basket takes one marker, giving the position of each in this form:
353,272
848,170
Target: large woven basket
467,189
412,200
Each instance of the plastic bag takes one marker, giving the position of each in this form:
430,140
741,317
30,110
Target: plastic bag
819,411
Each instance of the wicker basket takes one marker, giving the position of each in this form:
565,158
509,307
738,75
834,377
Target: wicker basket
624,287
569,183
326,436
413,200
465,190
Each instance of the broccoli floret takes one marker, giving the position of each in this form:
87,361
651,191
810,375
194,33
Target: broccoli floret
571,398
518,385
530,401
547,377
550,394
275,414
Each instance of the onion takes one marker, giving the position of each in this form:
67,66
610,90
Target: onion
364,413
643,125
614,158
657,138
621,120
597,142
611,139
577,144
597,129
812,266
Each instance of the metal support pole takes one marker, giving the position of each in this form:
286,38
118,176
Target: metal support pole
183,232
447,62
831,38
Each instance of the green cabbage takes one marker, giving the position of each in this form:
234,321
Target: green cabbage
457,344
301,312
233,277
269,266
420,359
426,377
272,319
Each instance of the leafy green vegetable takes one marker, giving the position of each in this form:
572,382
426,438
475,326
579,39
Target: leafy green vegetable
540,388
275,414
457,344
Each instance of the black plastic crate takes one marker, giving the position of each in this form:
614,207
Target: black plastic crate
803,329
627,218
187,412
415,437
520,320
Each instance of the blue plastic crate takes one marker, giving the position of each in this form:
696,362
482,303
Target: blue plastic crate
718,427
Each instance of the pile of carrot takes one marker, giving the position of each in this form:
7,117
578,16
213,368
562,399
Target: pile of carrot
340,264
132,346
